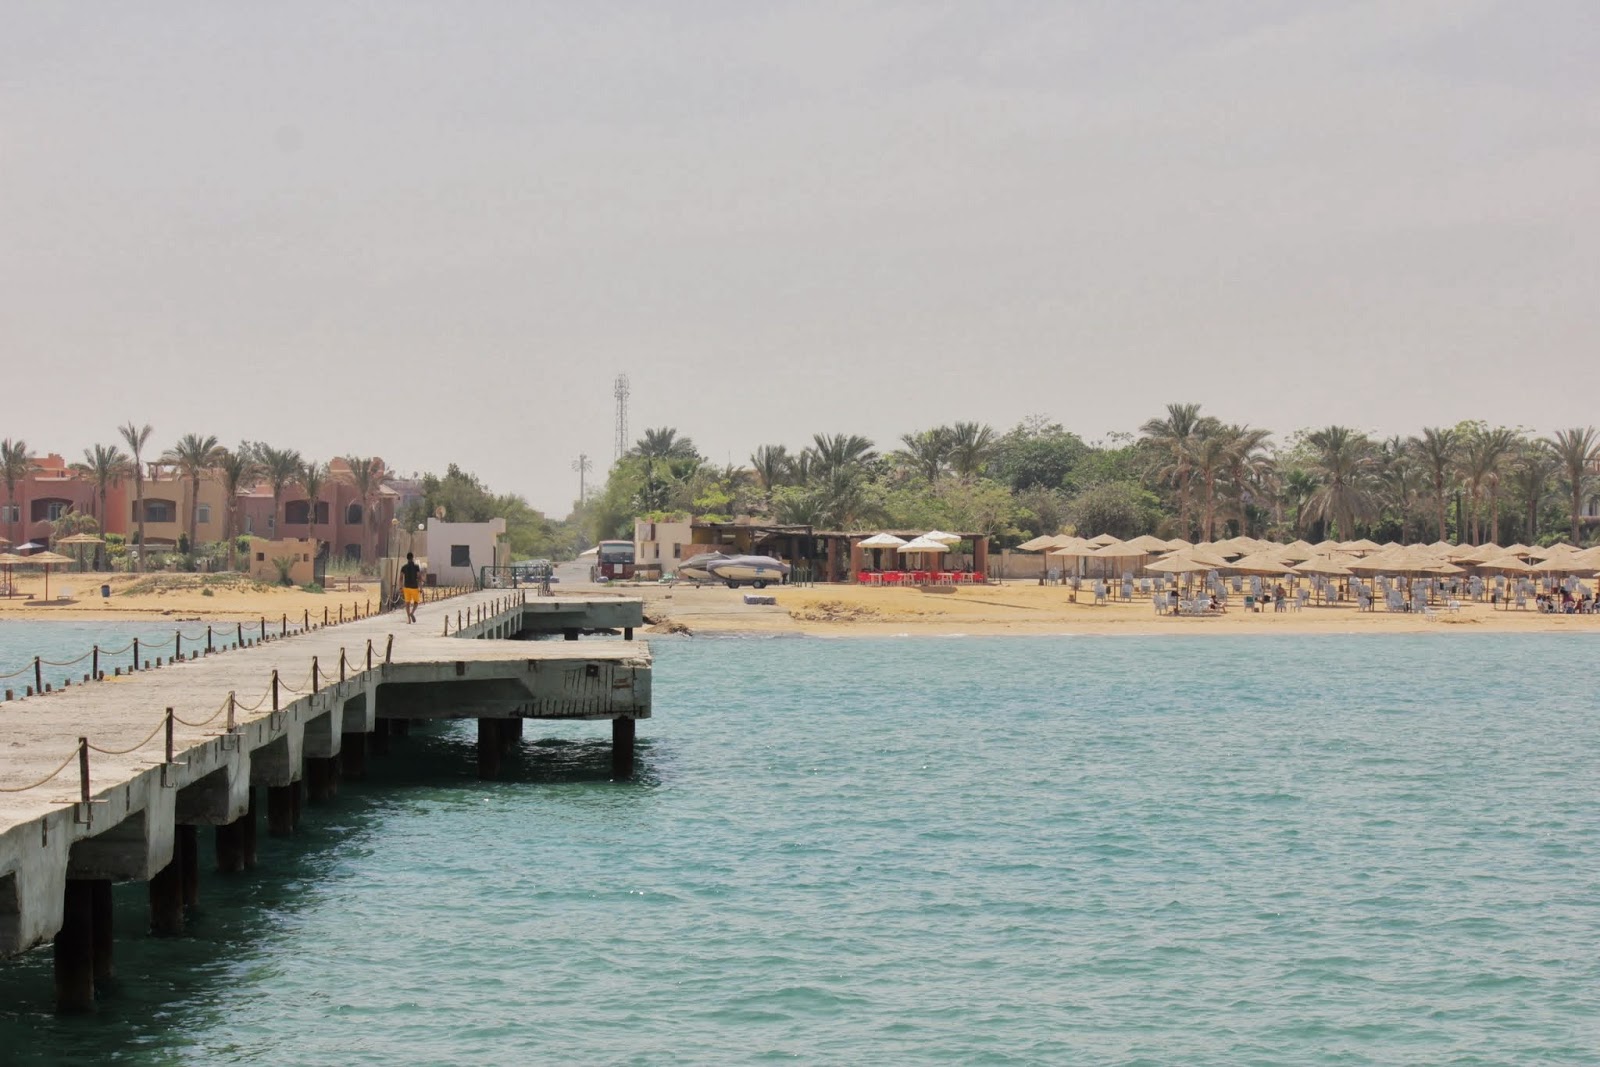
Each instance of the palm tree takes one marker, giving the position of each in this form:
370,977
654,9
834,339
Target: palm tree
1208,457
664,443
927,451
772,464
971,444
136,437
1397,470
1438,447
313,477
193,455
280,467
1298,487
836,452
1530,480
1481,456
1247,465
366,474
239,471
14,467
1344,465
1577,450
1500,445
1172,437
105,466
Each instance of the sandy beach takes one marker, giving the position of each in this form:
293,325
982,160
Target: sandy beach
1025,608
835,611
189,596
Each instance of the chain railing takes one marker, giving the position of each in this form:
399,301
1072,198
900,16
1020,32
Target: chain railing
264,630
312,684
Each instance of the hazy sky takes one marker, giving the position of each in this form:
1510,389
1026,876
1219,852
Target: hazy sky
437,231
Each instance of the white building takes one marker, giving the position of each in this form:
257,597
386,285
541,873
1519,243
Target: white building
456,550
658,547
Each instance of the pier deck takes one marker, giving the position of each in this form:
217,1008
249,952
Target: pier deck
232,728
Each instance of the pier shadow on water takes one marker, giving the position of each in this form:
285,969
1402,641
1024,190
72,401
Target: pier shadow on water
169,991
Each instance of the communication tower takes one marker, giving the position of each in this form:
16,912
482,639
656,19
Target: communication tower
621,392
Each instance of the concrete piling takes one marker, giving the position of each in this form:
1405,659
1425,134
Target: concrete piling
490,748
166,898
280,810
104,969
353,756
74,949
247,833
186,843
319,779
622,735
230,846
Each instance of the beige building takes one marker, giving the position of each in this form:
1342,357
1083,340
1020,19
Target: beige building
658,547
300,554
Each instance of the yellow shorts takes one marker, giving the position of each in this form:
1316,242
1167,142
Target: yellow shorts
413,596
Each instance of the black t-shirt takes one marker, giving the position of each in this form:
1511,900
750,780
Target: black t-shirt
410,573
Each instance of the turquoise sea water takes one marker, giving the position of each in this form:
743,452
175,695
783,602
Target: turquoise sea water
1206,850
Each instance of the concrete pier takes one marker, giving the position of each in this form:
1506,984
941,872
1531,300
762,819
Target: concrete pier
283,716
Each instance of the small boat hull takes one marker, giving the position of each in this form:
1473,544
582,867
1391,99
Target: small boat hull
759,571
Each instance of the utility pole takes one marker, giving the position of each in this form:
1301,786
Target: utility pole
583,465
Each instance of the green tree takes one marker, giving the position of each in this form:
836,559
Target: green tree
971,445
193,455
772,465
1037,453
1345,467
1532,472
1439,447
1577,451
837,452
664,443
927,452
136,438
280,469
313,479
239,471
1174,437
1121,509
15,465
366,476
103,466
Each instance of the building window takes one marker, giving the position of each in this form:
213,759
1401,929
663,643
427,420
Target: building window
202,514
272,523
261,557
160,511
677,551
296,512
460,556
10,513
352,514
50,510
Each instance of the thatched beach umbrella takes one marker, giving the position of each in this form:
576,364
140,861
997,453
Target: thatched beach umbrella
9,560
47,560
1147,543
1506,565
1325,566
1262,563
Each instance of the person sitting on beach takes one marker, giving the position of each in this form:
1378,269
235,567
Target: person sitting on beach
1216,607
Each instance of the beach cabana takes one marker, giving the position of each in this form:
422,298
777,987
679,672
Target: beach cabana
9,560
78,540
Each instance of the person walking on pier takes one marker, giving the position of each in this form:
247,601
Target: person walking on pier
411,586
